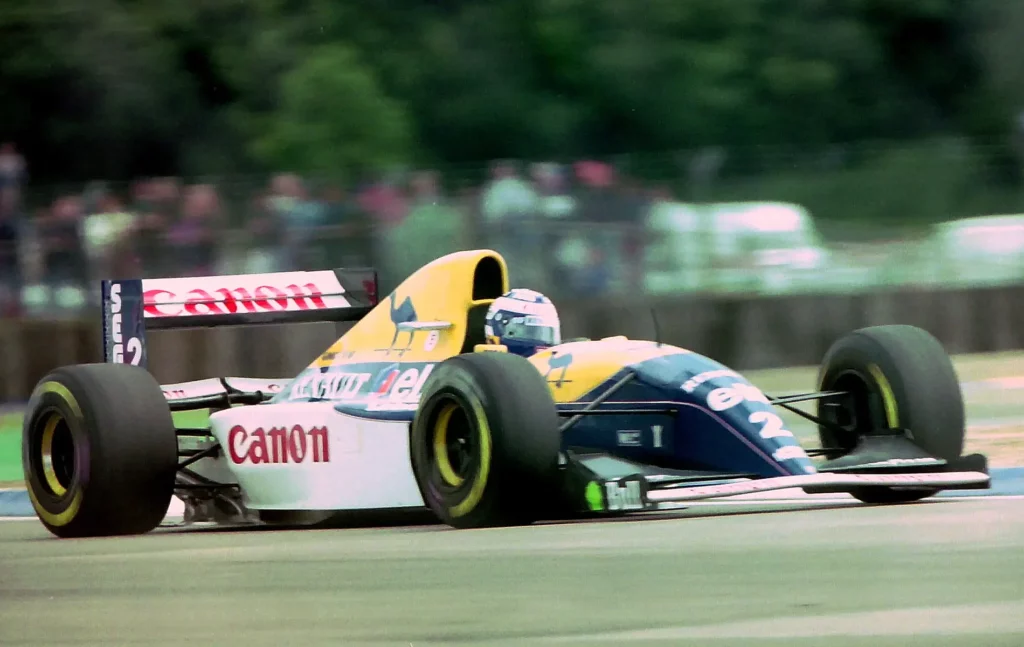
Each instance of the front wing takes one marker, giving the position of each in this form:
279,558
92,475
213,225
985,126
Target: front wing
601,483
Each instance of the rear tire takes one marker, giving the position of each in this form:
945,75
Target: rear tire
99,451
901,378
484,443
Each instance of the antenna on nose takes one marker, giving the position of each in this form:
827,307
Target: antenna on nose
657,328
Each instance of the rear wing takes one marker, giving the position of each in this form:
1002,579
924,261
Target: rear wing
133,306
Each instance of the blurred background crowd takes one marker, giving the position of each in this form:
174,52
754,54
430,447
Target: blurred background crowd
760,147
575,229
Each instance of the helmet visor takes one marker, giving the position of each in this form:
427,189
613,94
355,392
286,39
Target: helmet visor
533,329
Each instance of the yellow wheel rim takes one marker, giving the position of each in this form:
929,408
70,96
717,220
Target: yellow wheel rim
476,491
444,464
46,454
892,416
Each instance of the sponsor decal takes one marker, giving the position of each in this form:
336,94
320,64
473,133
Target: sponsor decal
399,390
174,394
404,312
330,386
629,438
220,301
771,425
557,362
624,496
694,382
592,494
134,345
431,343
278,445
727,397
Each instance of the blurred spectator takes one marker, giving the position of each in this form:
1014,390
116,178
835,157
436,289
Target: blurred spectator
193,238
507,196
556,210
348,241
554,198
106,234
432,228
12,177
155,205
509,206
13,173
385,200
263,234
299,218
10,266
585,251
386,204
561,228
62,285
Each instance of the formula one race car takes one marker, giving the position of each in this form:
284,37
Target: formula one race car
411,409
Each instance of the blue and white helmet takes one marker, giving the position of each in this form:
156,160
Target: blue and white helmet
524,321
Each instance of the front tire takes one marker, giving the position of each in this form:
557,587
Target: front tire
99,451
484,443
900,378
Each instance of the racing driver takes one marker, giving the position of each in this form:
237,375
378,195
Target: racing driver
524,321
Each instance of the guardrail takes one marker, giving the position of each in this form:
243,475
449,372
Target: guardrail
745,333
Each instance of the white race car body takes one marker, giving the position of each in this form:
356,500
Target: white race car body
309,456
306,455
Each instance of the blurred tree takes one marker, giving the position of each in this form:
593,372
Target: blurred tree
90,87
123,87
332,115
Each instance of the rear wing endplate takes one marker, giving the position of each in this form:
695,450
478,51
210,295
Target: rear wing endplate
131,307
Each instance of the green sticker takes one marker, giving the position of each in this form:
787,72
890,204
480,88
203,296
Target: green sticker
593,495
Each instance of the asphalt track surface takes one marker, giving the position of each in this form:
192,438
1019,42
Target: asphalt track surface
936,573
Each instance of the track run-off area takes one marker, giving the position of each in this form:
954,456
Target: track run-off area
946,571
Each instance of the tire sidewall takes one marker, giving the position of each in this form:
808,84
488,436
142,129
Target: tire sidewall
908,367
920,397
509,406
857,356
453,380
125,450
53,510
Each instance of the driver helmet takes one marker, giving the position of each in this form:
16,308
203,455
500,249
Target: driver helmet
524,321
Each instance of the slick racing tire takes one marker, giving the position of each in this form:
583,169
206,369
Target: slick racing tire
99,451
484,443
899,378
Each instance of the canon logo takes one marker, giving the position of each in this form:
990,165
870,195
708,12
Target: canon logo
265,298
278,445
116,331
